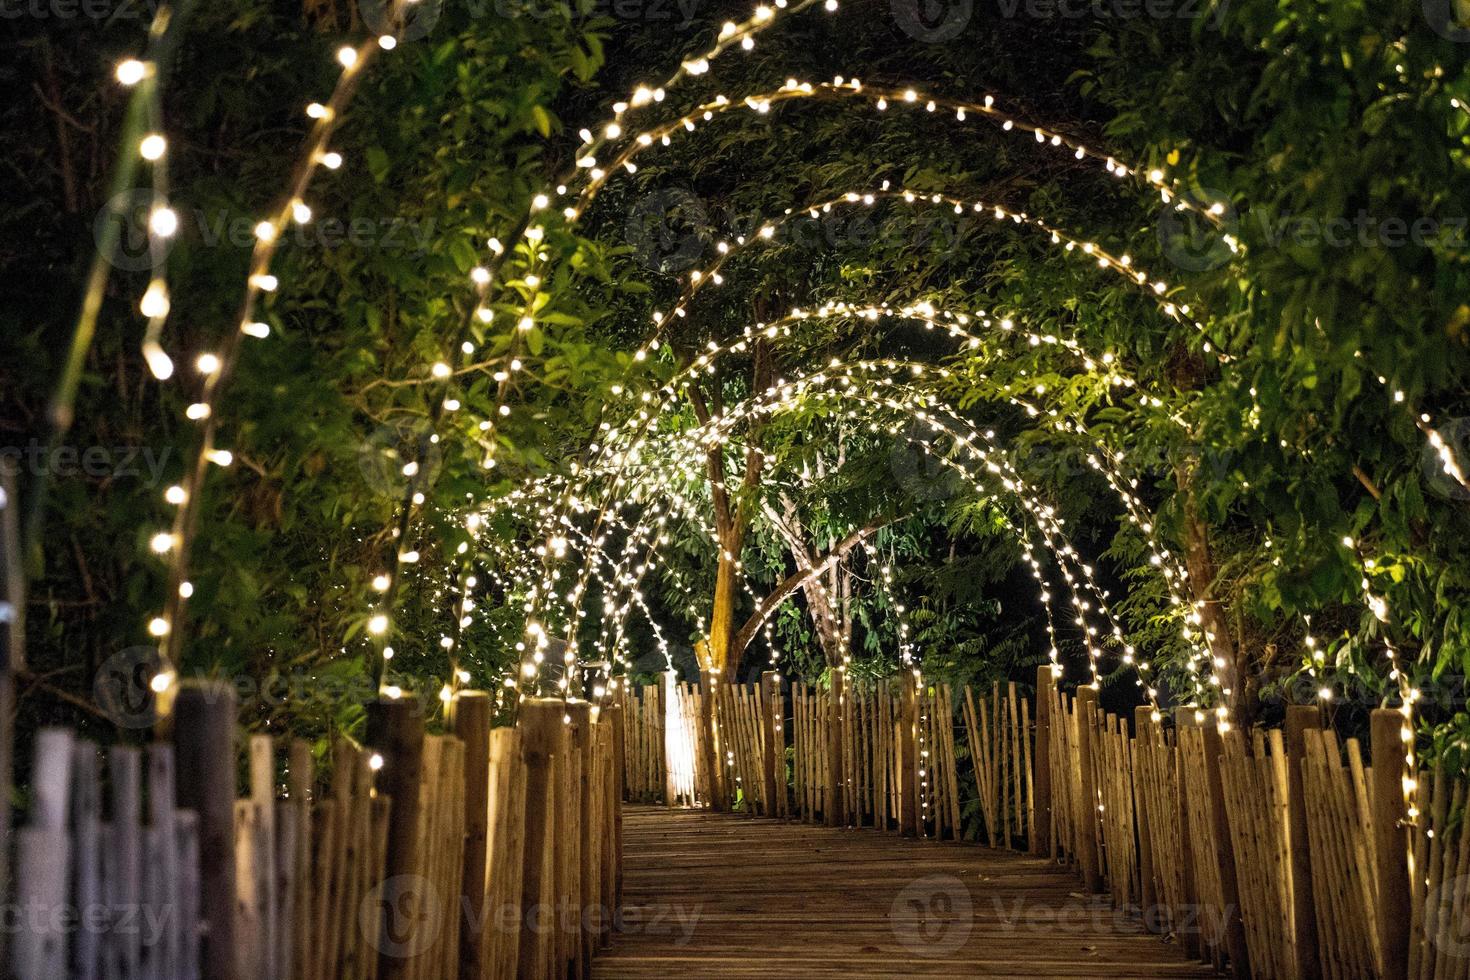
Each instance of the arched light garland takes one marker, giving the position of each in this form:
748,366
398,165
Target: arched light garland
216,367
897,404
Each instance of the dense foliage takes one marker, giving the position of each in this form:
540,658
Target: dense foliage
1268,410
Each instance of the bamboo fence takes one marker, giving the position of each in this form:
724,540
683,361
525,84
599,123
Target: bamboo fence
1277,854
405,859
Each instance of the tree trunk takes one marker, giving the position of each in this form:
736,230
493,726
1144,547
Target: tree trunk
1199,561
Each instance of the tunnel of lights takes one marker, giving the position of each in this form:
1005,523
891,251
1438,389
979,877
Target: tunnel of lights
596,529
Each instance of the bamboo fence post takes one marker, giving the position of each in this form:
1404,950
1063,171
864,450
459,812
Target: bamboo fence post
471,712
1225,856
263,798
908,756
616,822
711,761
1041,799
772,745
1184,718
542,737
395,731
43,856
204,757
669,700
1085,708
1299,719
834,811
1390,838
1149,898
12,657
583,836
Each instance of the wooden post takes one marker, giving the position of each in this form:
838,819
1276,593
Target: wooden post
1142,730
905,740
12,655
669,698
471,714
1391,840
1041,799
204,756
612,715
1087,857
1225,858
1190,939
582,839
836,813
542,739
711,764
619,761
1299,719
395,731
773,747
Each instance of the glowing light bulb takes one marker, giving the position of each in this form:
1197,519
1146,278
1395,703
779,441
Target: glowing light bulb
159,363
131,72
163,222
155,302
153,146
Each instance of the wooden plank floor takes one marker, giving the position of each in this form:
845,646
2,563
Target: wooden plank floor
721,896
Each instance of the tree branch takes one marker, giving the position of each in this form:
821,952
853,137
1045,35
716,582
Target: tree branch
796,580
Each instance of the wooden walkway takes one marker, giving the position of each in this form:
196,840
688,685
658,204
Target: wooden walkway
720,896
